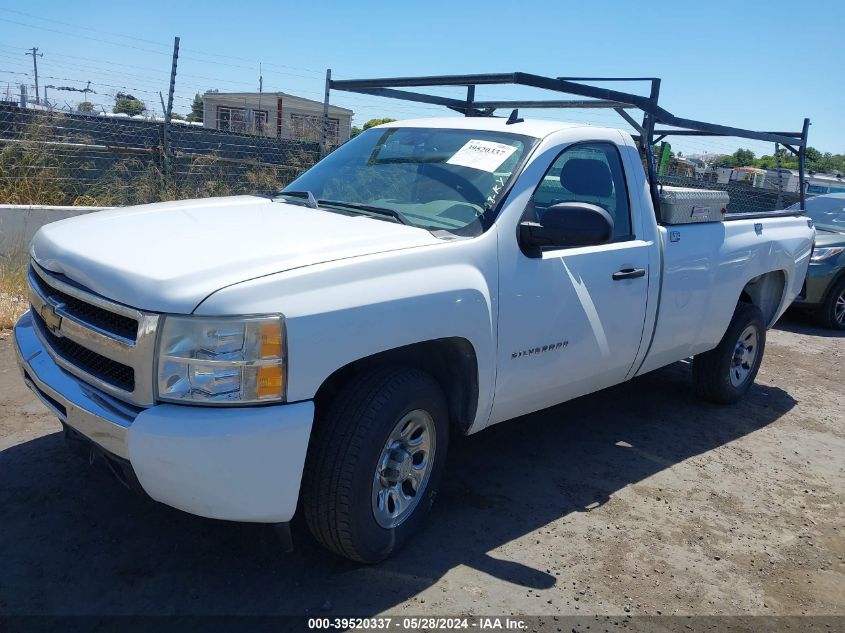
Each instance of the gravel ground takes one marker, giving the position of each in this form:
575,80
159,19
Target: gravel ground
639,500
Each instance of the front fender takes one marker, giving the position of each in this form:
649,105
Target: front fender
343,311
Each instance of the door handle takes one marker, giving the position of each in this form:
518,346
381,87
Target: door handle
629,273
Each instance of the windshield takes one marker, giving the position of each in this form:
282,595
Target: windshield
826,211
434,178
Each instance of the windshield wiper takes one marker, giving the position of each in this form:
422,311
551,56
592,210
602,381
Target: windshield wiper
310,198
397,215
313,203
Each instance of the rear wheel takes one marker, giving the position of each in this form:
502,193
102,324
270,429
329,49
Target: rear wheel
832,312
726,373
375,463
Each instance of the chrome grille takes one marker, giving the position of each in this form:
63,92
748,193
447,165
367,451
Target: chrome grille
105,343
110,371
118,324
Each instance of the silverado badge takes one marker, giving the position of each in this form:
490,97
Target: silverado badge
552,347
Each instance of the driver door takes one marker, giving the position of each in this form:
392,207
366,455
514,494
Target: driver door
569,323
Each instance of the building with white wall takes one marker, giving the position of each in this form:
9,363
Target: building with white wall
275,115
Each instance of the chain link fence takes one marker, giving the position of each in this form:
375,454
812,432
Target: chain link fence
744,197
52,157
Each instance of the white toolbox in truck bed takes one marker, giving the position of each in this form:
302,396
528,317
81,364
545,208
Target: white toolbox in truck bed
684,205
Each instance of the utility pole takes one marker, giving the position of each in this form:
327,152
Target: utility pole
172,79
35,54
169,111
257,116
324,133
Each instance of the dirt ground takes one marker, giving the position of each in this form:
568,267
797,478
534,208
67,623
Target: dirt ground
640,499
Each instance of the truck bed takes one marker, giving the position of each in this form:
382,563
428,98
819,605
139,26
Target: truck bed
762,215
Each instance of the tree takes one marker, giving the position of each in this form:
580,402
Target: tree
813,155
371,123
85,106
766,162
741,158
816,161
196,109
128,104
374,122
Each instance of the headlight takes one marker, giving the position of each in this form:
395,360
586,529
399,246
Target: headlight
821,254
222,360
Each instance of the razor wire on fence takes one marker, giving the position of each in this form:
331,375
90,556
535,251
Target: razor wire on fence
63,158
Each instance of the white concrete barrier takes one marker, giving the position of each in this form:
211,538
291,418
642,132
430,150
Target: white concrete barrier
19,222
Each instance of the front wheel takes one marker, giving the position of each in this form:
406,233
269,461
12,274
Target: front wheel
375,463
726,373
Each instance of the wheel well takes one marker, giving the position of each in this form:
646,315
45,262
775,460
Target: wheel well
450,361
766,292
836,279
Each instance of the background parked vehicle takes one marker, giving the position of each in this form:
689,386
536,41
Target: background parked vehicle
824,293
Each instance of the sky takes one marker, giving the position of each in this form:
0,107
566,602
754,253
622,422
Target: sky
758,65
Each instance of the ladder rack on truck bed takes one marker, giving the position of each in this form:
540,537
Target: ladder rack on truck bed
596,97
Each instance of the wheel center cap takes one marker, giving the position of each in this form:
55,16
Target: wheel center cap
405,467
398,468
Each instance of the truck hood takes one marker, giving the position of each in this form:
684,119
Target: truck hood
169,256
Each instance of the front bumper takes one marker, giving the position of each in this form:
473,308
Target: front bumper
820,276
233,463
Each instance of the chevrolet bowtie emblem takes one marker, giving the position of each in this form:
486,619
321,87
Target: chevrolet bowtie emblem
51,317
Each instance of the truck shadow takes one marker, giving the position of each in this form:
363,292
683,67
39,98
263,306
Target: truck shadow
800,321
75,542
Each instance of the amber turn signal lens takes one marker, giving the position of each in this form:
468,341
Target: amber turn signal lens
268,382
270,340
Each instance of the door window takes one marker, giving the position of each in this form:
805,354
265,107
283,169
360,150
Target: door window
591,173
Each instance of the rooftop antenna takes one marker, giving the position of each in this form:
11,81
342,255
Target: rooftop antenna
514,117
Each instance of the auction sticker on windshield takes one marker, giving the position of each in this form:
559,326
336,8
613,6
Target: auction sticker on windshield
483,155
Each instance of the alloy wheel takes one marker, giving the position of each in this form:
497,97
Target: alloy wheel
403,469
745,354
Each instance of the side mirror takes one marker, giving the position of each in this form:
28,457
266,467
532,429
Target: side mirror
567,225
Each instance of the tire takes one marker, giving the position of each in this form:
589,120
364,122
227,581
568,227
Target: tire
724,374
832,312
356,490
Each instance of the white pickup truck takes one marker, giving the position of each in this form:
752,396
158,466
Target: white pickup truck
241,357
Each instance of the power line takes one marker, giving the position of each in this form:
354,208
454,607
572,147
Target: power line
151,85
313,71
93,39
